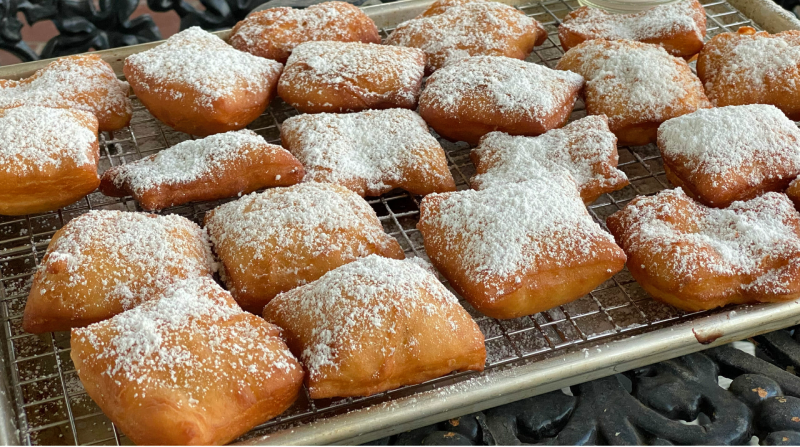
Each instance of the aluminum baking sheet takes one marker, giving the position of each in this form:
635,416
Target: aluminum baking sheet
614,328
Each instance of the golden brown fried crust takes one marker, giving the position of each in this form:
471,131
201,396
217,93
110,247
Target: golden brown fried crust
40,188
273,33
731,82
678,41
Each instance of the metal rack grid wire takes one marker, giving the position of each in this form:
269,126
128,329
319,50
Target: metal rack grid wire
52,406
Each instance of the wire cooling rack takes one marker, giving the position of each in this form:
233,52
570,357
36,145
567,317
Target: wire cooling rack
52,406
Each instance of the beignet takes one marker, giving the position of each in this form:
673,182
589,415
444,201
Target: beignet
794,192
585,149
104,262
696,258
370,152
216,167
678,27
279,239
196,83
190,368
474,96
732,153
749,67
636,85
374,325
519,248
273,33
454,29
48,158
83,82
351,76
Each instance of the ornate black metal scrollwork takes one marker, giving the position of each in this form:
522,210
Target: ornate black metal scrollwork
651,405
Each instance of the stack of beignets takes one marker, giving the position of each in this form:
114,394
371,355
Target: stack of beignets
282,238
189,368
104,262
474,96
749,67
196,83
48,158
454,29
374,325
370,152
519,248
585,149
215,167
698,258
274,32
83,82
679,27
732,153
349,77
636,85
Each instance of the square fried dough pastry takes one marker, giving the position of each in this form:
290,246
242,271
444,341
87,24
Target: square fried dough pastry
519,248
215,167
104,262
273,33
279,239
696,258
351,76
190,368
794,192
48,158
370,152
678,27
474,96
749,67
454,29
636,85
83,82
196,83
732,153
585,149
374,325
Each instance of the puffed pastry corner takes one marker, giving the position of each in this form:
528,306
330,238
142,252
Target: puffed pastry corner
696,258
374,325
188,368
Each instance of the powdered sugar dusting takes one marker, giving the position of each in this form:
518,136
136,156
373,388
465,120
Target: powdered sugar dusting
377,147
514,86
369,298
192,340
204,62
756,240
725,141
132,242
585,149
35,138
190,160
503,232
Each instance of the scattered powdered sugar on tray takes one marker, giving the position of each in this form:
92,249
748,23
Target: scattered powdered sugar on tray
34,138
503,232
755,239
204,63
660,22
356,66
373,297
376,146
194,339
462,29
190,160
83,82
304,218
583,148
514,86
729,140
159,249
